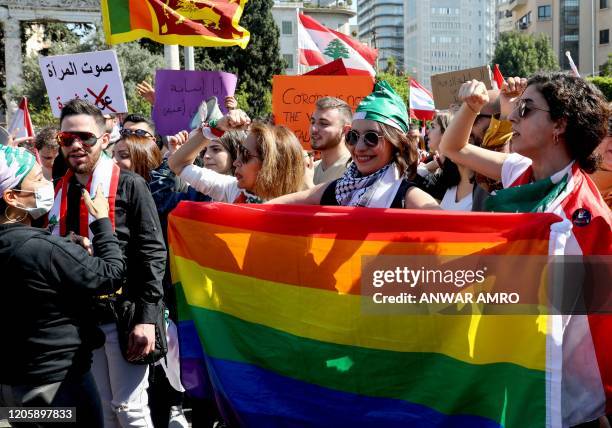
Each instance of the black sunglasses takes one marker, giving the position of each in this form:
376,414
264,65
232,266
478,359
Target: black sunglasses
137,132
524,109
66,139
370,138
244,156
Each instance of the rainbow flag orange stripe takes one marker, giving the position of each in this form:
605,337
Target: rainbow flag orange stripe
182,22
271,320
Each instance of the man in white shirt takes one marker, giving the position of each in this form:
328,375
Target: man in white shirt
329,123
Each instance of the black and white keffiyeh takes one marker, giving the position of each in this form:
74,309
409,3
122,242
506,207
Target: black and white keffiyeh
355,190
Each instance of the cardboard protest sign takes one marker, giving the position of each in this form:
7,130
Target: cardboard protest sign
93,76
445,86
294,98
179,93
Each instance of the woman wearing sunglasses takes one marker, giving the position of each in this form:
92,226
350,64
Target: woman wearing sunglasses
558,120
383,160
269,163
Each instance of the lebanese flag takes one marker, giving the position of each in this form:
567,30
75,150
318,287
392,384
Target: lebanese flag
21,125
421,102
498,78
319,45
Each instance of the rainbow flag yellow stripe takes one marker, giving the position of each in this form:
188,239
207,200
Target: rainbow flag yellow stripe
271,319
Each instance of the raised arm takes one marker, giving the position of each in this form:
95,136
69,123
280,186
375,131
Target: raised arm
455,140
187,153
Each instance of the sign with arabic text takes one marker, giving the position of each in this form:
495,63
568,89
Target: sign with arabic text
92,76
179,93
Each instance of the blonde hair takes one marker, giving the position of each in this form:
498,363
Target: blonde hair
282,170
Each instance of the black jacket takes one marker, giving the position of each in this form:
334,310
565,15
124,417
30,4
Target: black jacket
140,236
47,284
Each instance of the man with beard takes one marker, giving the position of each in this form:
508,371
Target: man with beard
82,137
328,124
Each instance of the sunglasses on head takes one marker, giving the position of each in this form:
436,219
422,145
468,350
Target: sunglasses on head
370,138
524,108
66,139
137,132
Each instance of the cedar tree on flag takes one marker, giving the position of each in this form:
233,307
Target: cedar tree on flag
319,45
182,22
421,102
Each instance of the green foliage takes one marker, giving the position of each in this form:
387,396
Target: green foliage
606,69
398,82
391,67
136,64
524,54
254,65
604,84
336,49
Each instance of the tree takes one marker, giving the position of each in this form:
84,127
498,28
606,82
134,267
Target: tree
391,67
399,83
336,49
136,64
524,54
606,69
604,84
254,65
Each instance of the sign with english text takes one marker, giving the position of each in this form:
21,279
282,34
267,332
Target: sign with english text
294,98
92,76
179,93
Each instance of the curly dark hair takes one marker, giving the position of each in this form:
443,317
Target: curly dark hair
405,155
584,108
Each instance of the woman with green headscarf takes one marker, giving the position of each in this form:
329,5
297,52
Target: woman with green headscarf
47,283
384,162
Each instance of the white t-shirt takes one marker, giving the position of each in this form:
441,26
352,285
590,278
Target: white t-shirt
448,201
512,168
220,187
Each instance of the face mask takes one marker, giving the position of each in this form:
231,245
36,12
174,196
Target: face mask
45,196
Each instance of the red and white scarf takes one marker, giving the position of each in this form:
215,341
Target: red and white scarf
106,173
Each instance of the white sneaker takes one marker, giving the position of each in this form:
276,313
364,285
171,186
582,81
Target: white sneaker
177,418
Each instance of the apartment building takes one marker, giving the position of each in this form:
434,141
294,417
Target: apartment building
581,27
447,35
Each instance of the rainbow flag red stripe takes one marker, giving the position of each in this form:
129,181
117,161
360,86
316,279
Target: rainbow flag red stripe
271,322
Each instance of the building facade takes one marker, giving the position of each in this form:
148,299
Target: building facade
581,27
381,25
285,14
447,35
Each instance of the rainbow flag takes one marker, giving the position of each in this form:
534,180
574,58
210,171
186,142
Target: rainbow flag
182,22
271,321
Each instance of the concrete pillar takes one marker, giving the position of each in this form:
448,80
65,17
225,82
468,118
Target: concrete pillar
189,58
12,60
171,55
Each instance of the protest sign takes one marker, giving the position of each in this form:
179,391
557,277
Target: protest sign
179,93
294,98
92,76
445,86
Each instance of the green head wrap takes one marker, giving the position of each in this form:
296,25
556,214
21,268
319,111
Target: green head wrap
384,105
15,164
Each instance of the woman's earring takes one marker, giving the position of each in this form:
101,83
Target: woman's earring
16,219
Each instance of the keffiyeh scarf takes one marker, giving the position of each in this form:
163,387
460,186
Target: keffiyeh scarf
376,190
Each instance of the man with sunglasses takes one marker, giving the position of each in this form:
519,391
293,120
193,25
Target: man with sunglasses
135,221
328,124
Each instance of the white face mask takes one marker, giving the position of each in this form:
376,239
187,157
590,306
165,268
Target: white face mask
45,196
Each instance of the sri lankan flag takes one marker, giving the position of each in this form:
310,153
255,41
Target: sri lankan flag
182,22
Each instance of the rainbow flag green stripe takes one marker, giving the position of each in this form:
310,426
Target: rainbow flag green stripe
265,343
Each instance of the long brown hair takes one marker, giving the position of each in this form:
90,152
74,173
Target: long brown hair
144,154
405,155
282,170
